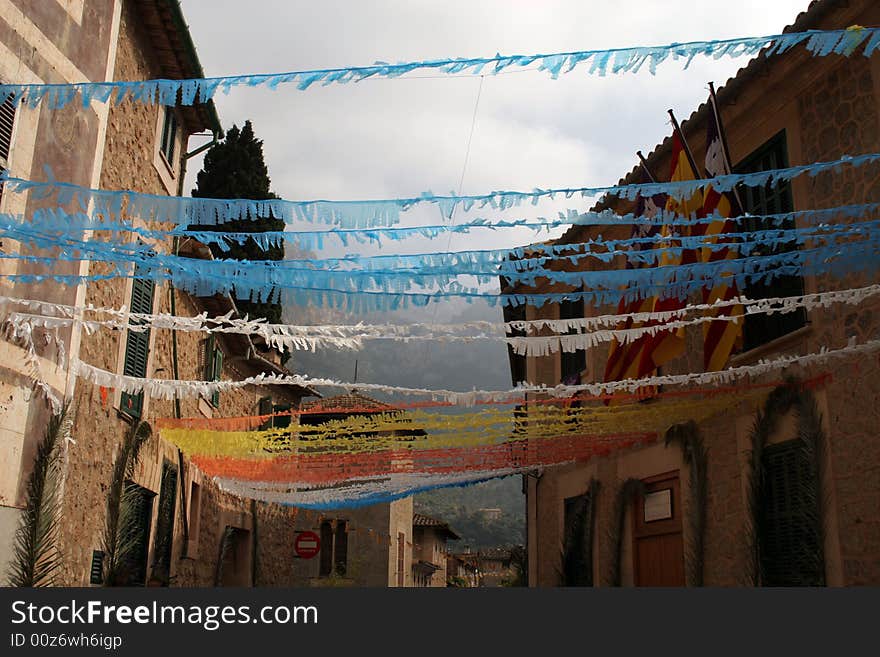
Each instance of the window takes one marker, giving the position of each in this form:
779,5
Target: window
137,343
280,413
7,121
213,360
334,548
164,537
791,552
234,564
169,134
578,542
195,512
134,525
401,547
572,362
517,361
771,199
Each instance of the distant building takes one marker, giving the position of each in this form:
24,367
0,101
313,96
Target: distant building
429,550
363,546
494,566
491,514
461,570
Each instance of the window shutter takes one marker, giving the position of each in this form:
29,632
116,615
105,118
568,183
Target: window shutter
790,549
7,121
217,371
137,344
326,549
169,132
341,548
208,358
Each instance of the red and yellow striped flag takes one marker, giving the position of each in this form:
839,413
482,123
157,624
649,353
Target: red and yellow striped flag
720,337
666,345
624,357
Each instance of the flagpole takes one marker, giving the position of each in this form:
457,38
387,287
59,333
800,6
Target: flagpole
687,149
645,167
723,136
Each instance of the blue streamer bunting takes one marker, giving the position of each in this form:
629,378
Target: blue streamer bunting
597,62
186,211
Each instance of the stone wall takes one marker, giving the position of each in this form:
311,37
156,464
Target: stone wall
99,427
828,107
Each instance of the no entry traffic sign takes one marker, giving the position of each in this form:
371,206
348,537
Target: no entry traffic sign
307,545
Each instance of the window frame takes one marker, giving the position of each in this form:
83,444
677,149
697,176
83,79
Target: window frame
762,329
168,137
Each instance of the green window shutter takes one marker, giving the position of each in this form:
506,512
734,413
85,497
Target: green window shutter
218,370
208,358
137,344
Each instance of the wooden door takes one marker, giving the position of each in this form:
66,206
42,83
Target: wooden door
658,547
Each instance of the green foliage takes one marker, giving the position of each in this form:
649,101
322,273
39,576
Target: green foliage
121,527
235,168
36,560
460,508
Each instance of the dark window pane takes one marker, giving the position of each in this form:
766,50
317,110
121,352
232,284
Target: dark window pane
773,198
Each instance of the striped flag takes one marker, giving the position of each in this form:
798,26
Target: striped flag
623,358
722,336
666,345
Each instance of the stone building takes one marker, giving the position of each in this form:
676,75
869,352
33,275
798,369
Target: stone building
187,531
778,111
369,545
429,562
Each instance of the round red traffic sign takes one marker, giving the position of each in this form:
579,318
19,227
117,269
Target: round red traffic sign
307,545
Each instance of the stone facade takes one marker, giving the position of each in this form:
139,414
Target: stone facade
827,107
122,150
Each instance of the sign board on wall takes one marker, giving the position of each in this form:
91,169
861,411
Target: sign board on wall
658,505
307,545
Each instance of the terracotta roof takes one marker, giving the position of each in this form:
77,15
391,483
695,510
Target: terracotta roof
353,401
173,46
420,520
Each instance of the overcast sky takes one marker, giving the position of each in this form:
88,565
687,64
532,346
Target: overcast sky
401,137
382,138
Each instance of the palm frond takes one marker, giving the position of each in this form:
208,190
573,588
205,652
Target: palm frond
577,551
626,493
120,520
694,454
36,558
225,545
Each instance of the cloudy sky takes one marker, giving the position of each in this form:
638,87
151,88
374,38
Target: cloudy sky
401,137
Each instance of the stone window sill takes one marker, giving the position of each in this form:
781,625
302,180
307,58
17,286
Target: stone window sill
779,344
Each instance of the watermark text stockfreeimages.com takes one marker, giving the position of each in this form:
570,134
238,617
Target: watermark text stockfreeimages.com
209,617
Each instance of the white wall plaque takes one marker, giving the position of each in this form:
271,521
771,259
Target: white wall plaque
658,505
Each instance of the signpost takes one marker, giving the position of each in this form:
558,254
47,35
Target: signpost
307,545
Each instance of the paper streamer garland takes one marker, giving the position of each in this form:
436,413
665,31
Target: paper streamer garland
170,388
392,431
352,337
186,211
601,62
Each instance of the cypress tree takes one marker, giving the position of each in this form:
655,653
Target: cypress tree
235,168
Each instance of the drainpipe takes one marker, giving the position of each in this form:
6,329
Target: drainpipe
174,362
